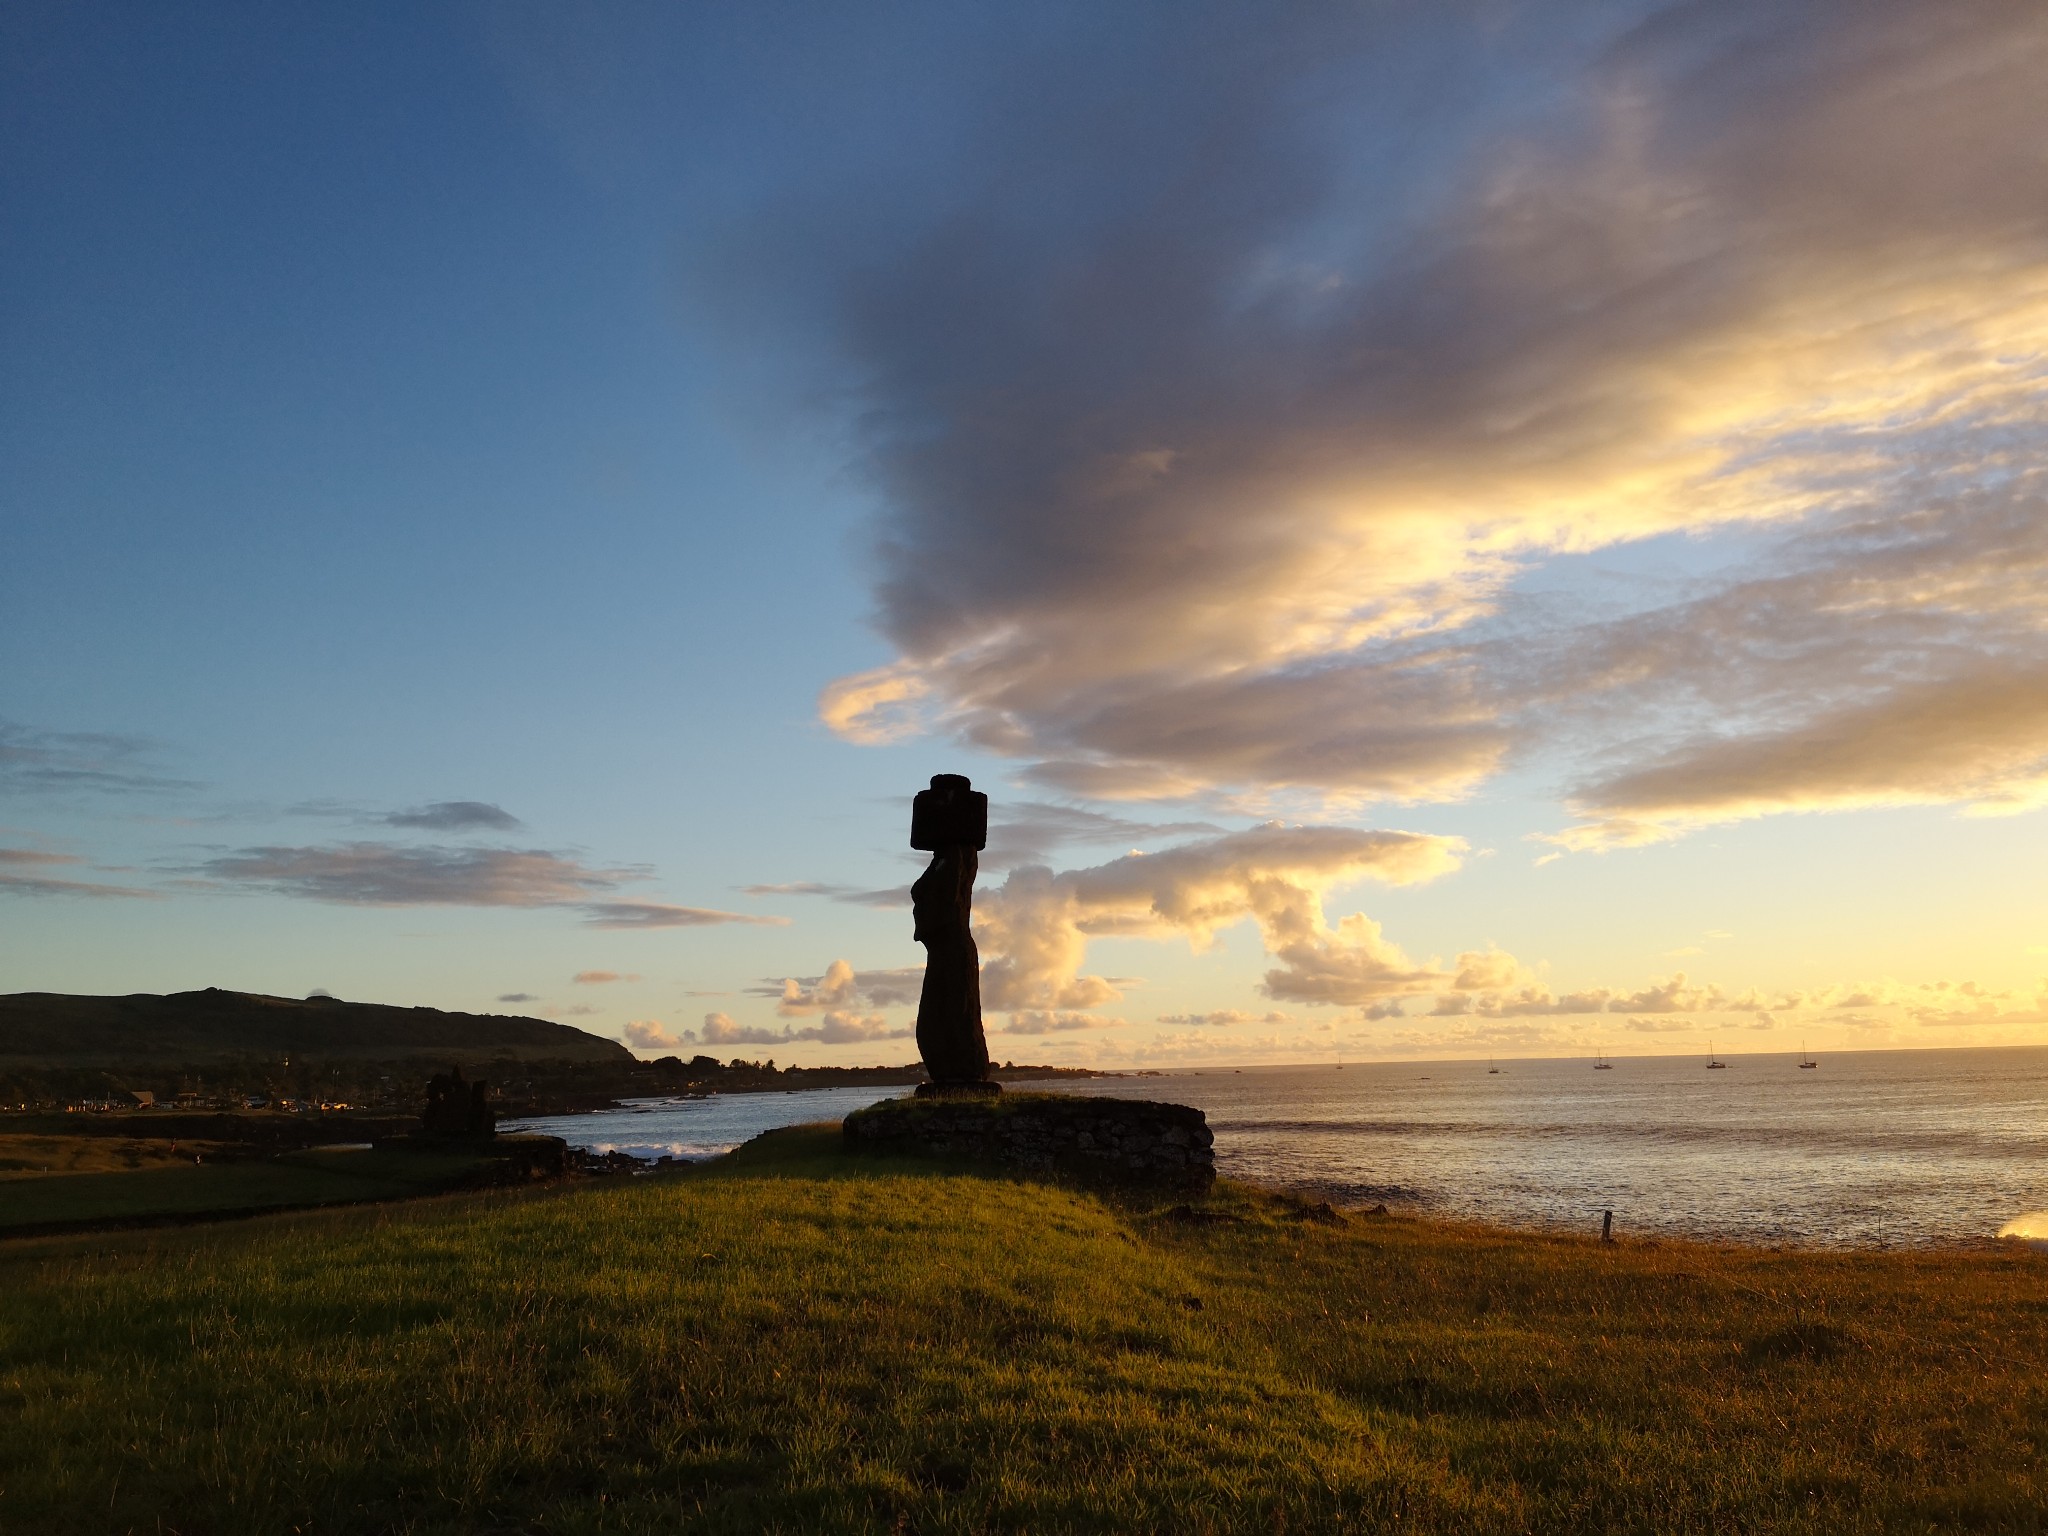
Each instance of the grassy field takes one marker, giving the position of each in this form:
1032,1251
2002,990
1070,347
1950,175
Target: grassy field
160,1185
796,1340
32,1156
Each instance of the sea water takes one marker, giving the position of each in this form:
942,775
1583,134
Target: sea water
1873,1148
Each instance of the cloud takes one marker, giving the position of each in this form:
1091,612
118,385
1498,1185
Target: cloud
662,914
35,761
836,1028
24,872
1225,1017
1025,832
651,1035
381,874
1232,461
454,816
1034,929
873,708
1042,1022
1674,1004
842,988
1487,970
839,1027
897,896
517,997
1676,994
1977,736
720,1029
601,978
396,875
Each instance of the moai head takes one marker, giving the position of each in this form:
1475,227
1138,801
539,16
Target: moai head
951,814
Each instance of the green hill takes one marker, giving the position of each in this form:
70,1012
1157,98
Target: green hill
797,1339
55,1029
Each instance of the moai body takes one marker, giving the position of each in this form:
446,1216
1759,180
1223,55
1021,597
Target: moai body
950,822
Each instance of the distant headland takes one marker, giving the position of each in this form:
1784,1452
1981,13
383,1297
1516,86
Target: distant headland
189,1029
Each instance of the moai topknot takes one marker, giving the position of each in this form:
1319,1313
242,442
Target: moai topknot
950,822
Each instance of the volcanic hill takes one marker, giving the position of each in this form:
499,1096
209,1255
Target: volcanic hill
55,1029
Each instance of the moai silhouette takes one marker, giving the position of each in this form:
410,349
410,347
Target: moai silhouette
950,822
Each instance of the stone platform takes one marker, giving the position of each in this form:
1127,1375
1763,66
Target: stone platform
1119,1140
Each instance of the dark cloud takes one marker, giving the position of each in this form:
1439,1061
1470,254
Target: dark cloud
1026,832
380,874
517,997
33,761
454,816
662,914
1225,460
26,872
385,875
897,896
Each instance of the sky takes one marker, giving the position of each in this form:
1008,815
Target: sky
1443,529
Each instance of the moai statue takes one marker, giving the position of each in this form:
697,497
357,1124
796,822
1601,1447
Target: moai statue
950,822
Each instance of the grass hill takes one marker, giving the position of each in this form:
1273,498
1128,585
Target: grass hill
797,1339
55,1030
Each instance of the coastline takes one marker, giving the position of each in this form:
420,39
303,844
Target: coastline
1881,1151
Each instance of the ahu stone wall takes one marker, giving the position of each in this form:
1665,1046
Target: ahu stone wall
1121,1140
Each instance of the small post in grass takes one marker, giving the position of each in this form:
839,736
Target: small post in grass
1607,1226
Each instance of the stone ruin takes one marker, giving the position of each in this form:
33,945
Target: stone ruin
456,1108
1081,1136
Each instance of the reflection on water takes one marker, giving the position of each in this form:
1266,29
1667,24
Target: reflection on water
1875,1148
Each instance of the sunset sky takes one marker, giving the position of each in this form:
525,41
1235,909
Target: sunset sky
1443,529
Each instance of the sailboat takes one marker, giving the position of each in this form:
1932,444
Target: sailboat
1714,1064
1603,1064
1490,1067
1806,1062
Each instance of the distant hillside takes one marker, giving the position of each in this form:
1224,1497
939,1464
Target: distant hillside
55,1029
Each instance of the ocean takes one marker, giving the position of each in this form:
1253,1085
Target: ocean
1872,1149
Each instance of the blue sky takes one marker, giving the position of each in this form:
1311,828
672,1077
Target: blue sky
1598,443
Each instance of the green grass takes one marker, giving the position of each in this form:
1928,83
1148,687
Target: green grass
793,1339
33,1156
318,1176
